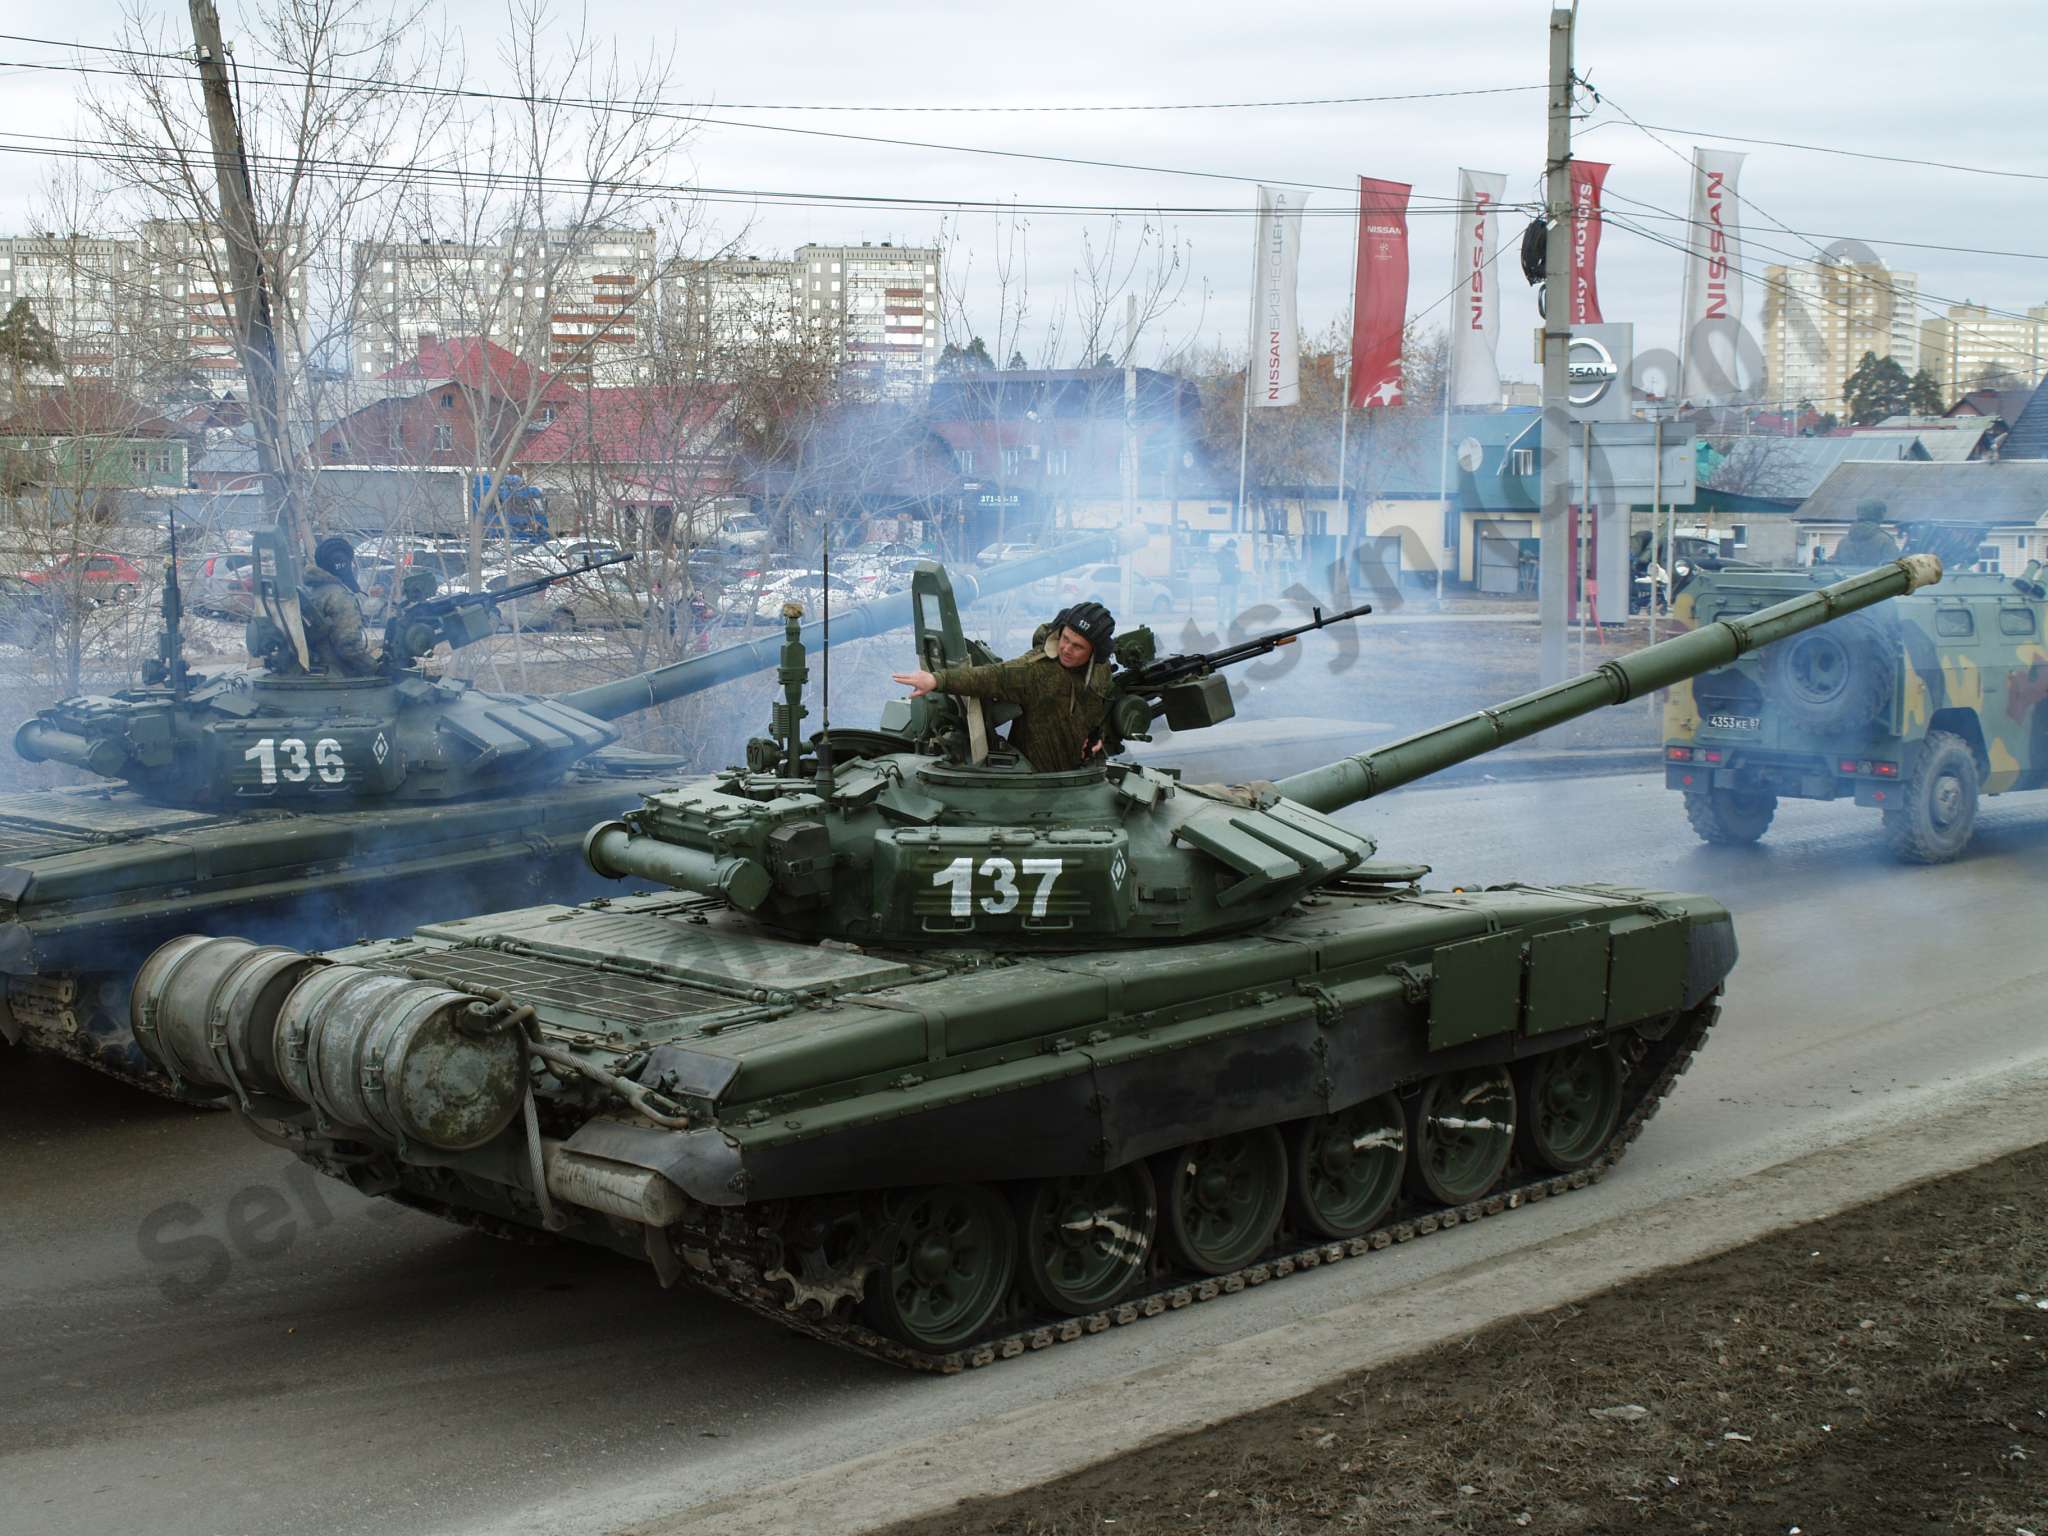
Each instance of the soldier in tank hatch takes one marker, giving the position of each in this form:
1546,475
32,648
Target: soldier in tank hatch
327,606
1868,541
1062,684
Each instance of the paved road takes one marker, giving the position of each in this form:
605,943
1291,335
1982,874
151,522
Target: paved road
198,1340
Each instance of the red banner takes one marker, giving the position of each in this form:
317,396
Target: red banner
1379,299
1588,176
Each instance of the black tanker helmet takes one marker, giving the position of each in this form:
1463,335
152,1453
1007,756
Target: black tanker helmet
337,557
1092,622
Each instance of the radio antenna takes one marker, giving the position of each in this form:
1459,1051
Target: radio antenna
825,668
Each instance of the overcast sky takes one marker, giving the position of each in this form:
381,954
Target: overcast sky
1881,76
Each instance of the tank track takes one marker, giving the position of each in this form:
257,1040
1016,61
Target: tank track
738,1269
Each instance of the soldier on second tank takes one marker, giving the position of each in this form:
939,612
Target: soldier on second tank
328,608
1868,541
1062,684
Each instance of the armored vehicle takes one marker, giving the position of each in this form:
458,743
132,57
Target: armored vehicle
1917,710
317,809
942,1059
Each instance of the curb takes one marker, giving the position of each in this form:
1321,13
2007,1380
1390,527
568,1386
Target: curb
1111,1419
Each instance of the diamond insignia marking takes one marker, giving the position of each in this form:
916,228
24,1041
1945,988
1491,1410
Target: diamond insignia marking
380,748
1117,870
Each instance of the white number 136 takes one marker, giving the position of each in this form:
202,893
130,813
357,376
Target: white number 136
960,876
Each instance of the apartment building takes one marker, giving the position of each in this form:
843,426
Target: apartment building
1820,318
191,300
581,303
881,304
1971,344
726,316
81,288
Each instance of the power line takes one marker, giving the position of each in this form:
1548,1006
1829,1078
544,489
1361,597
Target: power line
656,110
1826,149
355,173
983,108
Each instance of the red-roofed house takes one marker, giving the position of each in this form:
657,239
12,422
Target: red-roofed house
463,402
648,449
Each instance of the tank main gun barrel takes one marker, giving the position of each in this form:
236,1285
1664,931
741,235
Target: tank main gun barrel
857,621
1351,779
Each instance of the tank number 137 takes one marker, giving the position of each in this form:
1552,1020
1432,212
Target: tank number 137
290,760
1004,897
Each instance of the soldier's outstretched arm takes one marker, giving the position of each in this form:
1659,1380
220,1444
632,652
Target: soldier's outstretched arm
1006,681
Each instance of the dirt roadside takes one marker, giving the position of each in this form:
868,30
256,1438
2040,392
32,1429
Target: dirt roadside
1883,1371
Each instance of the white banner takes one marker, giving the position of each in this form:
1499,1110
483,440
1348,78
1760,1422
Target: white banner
1276,357
1475,323
1711,337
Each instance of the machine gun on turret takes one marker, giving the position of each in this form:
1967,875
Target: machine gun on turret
1187,689
463,618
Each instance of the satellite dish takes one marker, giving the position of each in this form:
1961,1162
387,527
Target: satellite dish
1470,455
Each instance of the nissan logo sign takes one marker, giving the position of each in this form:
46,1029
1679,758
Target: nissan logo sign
1589,368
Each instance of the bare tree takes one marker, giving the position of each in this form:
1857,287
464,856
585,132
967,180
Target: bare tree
1759,466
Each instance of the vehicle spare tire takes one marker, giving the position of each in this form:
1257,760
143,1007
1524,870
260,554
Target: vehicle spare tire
1833,679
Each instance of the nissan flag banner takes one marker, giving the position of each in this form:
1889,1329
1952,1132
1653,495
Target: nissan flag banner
1588,176
1713,279
1475,325
1379,298
1276,359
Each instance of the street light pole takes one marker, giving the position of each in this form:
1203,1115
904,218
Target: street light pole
1553,531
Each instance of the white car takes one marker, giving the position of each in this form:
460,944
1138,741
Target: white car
744,532
1151,597
806,587
996,554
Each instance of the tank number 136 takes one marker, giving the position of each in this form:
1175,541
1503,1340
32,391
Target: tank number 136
290,760
1004,898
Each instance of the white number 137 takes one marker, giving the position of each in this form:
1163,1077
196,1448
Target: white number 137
1003,899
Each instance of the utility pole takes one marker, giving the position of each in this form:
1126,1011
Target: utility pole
1125,604
1553,586
255,339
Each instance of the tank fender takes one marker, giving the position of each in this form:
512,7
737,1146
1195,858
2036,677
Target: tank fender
704,1164
1709,956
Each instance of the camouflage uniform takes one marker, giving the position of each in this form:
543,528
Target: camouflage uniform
1062,709
1866,544
334,625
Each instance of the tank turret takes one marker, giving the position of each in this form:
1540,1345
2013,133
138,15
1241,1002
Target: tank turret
254,734
913,842
945,1060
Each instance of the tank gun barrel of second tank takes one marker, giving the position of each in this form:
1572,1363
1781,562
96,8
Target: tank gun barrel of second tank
1351,779
856,621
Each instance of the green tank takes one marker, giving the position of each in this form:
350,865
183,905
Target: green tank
315,809
943,1059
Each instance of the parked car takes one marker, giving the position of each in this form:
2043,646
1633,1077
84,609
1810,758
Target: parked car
566,554
1103,584
27,612
222,586
1013,549
744,532
99,574
806,587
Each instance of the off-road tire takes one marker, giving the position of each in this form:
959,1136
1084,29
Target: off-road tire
1937,809
1833,679
1729,816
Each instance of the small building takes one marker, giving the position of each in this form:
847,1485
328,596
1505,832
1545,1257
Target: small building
466,403
88,438
2007,498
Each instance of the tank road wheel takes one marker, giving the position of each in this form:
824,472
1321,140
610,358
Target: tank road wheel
1222,1199
1938,805
951,1256
1086,1238
1344,1169
1729,815
1571,1103
1461,1127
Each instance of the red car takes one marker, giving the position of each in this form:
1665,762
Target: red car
97,573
